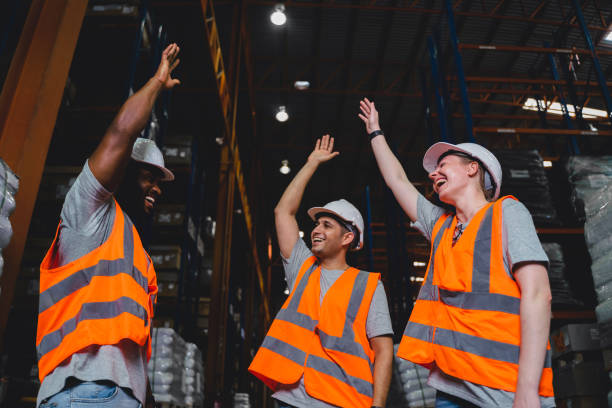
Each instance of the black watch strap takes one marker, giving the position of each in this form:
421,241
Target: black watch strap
376,133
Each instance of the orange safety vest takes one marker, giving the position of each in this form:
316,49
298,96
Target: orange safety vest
467,315
326,342
101,298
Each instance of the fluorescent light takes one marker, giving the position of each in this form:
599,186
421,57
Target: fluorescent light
555,108
284,168
278,17
416,279
281,114
546,163
418,264
301,85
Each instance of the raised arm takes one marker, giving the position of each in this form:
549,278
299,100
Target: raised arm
390,167
287,230
109,160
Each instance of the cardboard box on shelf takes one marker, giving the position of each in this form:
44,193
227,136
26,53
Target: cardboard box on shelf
170,216
166,256
574,337
167,289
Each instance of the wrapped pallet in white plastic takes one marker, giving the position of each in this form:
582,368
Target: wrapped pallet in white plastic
9,184
176,372
598,237
411,381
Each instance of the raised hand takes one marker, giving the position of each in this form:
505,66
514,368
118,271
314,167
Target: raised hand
167,65
369,115
323,150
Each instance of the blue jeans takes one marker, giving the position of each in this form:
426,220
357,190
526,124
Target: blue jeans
444,400
100,394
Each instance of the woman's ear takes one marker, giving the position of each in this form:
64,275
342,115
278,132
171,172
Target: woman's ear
473,168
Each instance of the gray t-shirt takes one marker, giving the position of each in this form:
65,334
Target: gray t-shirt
87,220
521,244
378,322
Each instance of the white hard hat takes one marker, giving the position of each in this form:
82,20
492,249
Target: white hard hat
146,151
346,212
488,160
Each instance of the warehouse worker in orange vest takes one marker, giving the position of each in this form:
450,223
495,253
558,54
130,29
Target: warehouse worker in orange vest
482,317
97,283
330,343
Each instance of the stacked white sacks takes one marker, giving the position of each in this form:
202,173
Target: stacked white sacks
9,184
411,380
587,175
241,400
595,187
193,376
175,370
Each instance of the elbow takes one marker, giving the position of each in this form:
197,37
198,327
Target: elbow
278,210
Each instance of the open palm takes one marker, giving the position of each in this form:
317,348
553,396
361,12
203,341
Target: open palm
323,150
169,61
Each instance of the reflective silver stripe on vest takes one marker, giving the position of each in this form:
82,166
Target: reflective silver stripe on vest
290,314
478,346
481,301
91,311
328,367
285,349
481,266
419,331
428,290
82,278
347,343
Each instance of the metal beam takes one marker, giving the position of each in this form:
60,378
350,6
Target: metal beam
231,177
539,131
420,11
600,76
29,103
465,101
541,50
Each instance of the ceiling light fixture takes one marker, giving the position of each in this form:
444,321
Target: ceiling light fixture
547,163
281,114
301,234
418,263
301,85
284,168
278,17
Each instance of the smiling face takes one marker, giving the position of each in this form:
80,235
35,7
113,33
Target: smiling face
148,179
328,237
452,175
140,190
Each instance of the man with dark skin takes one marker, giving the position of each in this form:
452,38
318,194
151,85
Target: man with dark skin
106,371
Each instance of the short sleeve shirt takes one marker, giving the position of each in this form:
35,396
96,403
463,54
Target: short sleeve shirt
521,244
378,322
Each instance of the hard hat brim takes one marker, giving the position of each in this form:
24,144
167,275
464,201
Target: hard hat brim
168,175
312,213
430,160
432,156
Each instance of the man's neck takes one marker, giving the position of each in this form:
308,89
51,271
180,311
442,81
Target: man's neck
334,263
